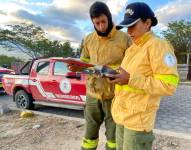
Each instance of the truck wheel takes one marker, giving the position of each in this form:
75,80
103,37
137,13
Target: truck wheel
23,100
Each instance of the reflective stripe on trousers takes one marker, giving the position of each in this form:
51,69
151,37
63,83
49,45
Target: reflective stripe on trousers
111,144
89,144
92,144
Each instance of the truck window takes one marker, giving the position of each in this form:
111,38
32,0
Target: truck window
25,70
60,68
43,67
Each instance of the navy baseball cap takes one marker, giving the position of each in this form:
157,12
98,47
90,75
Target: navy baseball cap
135,12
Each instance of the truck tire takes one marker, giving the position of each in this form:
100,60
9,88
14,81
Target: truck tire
23,100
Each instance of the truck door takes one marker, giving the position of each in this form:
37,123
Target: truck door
39,80
70,90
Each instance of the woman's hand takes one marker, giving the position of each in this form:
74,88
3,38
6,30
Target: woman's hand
121,78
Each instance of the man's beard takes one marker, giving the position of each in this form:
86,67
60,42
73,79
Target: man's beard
110,26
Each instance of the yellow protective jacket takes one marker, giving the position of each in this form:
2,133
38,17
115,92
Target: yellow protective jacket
152,66
109,51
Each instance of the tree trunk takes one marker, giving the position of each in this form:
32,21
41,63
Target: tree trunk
189,67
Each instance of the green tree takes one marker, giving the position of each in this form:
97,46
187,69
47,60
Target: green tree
79,49
179,34
31,40
8,60
22,37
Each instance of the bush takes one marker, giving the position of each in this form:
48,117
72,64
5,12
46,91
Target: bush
8,60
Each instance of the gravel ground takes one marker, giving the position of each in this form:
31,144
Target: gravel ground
56,133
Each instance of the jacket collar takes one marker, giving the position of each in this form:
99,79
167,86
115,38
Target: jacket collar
110,35
143,39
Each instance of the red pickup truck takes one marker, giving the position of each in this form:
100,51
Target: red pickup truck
46,81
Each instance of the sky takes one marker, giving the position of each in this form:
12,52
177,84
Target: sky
68,20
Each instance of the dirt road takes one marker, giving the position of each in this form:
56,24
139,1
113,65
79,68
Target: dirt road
59,134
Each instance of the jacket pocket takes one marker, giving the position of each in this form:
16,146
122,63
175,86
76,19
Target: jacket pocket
139,104
100,88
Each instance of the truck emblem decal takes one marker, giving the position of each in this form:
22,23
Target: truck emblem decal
65,86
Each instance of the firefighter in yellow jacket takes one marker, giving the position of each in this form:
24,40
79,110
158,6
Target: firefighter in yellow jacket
148,71
105,46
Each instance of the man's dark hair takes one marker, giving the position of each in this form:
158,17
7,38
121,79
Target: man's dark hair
97,9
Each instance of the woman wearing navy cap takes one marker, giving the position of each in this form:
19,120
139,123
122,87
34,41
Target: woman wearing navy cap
148,71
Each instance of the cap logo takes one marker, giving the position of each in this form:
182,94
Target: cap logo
129,12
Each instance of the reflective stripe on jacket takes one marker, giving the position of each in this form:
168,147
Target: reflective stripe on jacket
153,73
109,51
